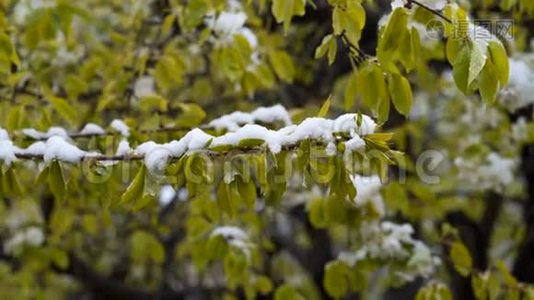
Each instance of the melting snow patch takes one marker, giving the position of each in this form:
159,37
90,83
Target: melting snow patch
92,129
120,127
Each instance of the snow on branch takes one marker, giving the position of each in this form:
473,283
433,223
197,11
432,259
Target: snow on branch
230,122
327,131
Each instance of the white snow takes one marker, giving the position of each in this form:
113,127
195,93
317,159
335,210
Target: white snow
7,152
520,89
382,241
481,38
144,87
58,148
235,237
390,242
368,192
30,236
252,39
493,172
166,194
3,134
156,159
157,155
183,194
235,120
397,3
313,128
272,114
123,148
499,167
274,139
228,23
37,148
120,127
354,144
230,233
39,135
331,149
92,129
349,123
232,122
33,133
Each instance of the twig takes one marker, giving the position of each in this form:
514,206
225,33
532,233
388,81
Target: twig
433,11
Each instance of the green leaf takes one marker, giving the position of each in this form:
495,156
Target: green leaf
325,108
136,188
317,212
375,92
144,201
153,102
169,71
9,184
499,58
74,86
263,284
461,258
349,19
489,83
56,180
477,60
64,109
479,285
336,279
351,91
192,114
286,292
400,92
224,198
508,4
7,50
197,169
453,48
60,258
145,246
461,70
282,64
167,23
247,190
284,10
396,27
328,47
509,279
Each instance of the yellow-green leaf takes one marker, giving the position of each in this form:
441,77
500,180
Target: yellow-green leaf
325,108
500,60
136,188
64,109
56,180
282,64
461,259
400,92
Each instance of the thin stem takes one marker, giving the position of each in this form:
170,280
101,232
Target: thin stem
208,152
435,12
360,56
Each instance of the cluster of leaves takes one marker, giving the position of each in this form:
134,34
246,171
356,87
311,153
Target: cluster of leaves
66,63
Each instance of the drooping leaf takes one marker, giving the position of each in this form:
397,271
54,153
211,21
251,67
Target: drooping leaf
401,93
336,279
461,258
56,180
325,108
136,188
